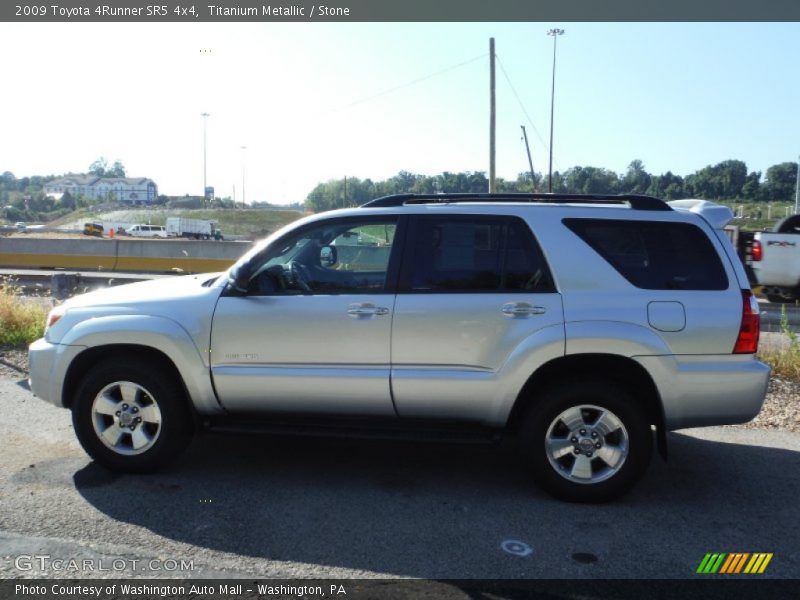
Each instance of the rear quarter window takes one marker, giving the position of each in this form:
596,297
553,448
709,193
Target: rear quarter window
655,255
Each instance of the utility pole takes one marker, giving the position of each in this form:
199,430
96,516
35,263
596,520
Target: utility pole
492,118
244,198
205,116
345,191
530,160
797,190
555,33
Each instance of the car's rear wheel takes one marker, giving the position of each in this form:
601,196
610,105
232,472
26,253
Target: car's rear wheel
131,415
587,441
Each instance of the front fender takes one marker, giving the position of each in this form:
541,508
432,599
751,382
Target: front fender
162,334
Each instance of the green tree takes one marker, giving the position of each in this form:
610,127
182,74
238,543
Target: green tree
667,185
780,181
116,170
636,180
751,190
99,167
590,180
67,201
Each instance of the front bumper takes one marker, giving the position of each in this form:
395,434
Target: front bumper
47,365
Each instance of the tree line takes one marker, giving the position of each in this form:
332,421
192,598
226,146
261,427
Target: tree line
23,199
728,180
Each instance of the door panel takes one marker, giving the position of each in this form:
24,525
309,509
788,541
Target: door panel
473,289
303,353
311,333
467,339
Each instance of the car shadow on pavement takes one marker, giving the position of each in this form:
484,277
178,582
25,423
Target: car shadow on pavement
427,510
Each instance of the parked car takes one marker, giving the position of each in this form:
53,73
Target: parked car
586,327
775,260
147,231
21,226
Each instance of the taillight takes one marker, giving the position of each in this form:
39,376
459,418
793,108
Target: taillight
757,252
749,330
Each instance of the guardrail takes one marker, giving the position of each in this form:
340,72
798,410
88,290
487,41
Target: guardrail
155,256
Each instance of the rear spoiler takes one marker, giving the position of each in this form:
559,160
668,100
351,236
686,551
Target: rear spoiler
715,214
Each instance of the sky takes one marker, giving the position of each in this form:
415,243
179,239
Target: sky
312,102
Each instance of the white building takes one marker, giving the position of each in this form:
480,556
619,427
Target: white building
131,190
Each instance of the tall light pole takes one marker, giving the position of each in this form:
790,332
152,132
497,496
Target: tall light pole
555,33
243,161
205,116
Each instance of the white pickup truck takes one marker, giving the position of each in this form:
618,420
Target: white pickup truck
776,260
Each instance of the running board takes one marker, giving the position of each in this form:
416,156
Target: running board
356,429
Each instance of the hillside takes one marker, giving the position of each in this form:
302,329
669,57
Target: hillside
252,223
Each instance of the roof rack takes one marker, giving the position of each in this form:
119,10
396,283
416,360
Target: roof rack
636,202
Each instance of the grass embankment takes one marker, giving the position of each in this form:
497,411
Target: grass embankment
21,321
785,363
783,357
250,222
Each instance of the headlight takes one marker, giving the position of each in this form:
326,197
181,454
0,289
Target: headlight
53,316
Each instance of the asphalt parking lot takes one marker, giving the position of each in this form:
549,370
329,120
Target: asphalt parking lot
265,507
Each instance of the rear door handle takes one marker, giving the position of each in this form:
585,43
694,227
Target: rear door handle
366,310
522,309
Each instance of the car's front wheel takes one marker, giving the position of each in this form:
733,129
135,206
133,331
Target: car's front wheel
131,415
587,441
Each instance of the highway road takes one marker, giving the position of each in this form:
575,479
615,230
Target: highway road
266,507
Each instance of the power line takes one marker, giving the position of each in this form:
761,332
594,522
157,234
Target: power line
522,106
414,82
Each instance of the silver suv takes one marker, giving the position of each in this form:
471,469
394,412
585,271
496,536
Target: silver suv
587,326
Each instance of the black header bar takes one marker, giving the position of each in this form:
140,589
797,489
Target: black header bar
219,11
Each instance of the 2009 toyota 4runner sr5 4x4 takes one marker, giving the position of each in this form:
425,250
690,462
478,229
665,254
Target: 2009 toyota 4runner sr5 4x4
587,326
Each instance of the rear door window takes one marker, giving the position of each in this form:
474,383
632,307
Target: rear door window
473,253
655,255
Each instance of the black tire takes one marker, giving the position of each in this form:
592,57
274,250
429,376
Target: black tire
156,386
789,224
610,397
778,299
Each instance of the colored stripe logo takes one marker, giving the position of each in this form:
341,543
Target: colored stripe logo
733,563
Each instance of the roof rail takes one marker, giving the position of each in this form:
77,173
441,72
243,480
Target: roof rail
636,201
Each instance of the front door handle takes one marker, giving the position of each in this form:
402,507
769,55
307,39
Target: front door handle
522,309
366,310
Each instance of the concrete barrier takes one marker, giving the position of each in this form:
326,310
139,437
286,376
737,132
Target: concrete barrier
53,253
188,256
122,255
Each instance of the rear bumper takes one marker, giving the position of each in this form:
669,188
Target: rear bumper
698,391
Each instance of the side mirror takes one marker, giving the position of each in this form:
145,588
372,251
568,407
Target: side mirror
328,256
239,279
